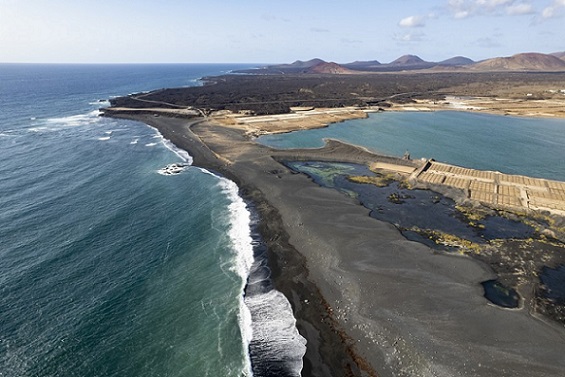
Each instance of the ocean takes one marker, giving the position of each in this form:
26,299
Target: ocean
109,266
511,145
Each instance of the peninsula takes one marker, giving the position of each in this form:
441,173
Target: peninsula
369,301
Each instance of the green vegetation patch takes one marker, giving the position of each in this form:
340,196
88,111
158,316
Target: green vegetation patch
379,181
450,240
472,213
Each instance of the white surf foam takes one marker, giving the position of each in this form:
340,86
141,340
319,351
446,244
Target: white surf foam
172,169
134,141
76,120
274,331
150,144
41,129
277,347
185,157
100,103
62,123
266,318
104,138
240,236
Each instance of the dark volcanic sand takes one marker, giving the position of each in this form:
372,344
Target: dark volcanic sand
359,289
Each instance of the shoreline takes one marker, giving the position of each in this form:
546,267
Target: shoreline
308,230
327,349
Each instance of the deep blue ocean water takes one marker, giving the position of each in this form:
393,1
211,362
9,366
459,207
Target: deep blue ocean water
107,266
512,145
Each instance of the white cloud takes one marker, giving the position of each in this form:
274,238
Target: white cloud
458,7
462,14
412,21
493,3
461,8
456,3
548,12
554,10
467,8
520,9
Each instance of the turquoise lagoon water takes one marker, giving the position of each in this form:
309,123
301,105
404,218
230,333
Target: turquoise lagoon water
514,145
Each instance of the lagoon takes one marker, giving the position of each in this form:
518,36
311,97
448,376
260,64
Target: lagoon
512,145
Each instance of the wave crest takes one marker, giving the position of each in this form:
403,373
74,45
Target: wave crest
240,236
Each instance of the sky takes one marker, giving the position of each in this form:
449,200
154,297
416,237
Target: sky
274,31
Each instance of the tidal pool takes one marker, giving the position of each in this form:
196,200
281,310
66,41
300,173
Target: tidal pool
501,295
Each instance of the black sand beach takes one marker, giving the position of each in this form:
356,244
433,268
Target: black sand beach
369,301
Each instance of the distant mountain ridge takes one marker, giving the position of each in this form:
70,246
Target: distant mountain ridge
405,62
524,61
456,60
299,64
408,60
531,61
332,68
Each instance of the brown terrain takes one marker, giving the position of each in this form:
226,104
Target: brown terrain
525,62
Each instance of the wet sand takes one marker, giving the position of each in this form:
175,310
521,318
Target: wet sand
368,301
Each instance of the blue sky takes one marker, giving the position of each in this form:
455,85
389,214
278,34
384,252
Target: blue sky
268,31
